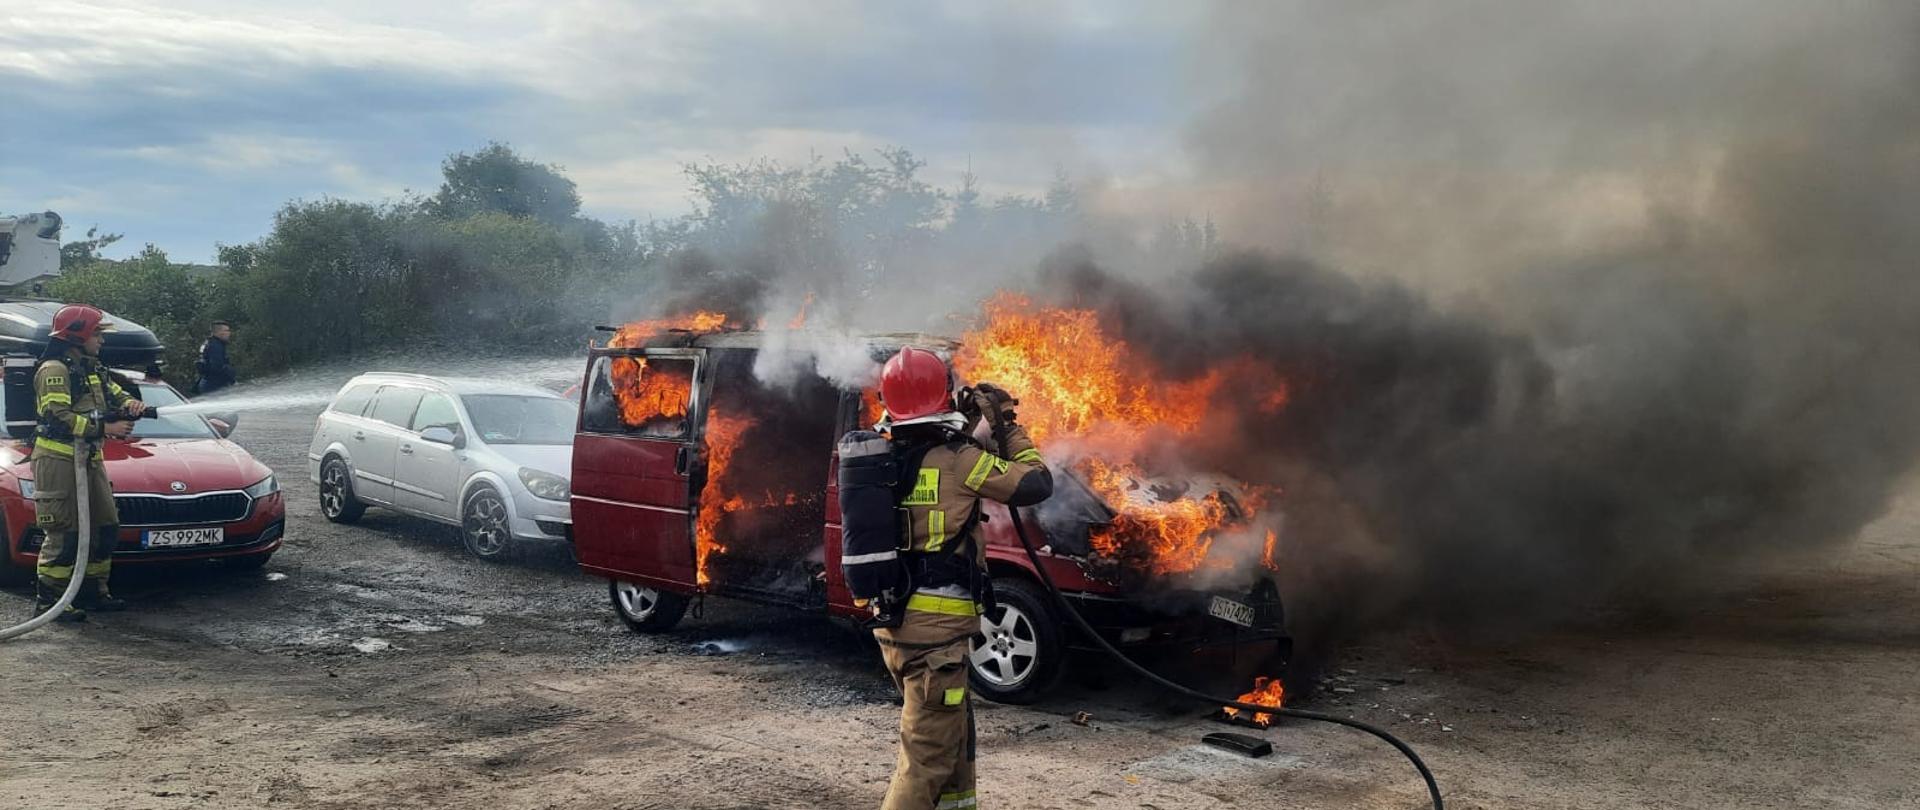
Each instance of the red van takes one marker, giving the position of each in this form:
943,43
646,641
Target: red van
704,465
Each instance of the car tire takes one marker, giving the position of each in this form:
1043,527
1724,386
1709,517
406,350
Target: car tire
485,527
1021,651
337,503
248,562
646,609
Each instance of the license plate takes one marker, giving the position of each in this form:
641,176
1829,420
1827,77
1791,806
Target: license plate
1224,608
177,538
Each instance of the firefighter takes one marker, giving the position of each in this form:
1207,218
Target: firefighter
927,652
76,398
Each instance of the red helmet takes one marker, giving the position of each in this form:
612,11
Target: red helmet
77,322
916,383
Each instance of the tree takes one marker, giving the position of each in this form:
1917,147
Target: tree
150,290
85,251
496,179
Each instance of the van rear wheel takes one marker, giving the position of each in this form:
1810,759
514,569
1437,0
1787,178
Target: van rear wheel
646,609
1021,651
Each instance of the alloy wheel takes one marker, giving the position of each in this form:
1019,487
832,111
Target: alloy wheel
1007,648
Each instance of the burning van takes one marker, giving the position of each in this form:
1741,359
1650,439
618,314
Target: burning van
704,465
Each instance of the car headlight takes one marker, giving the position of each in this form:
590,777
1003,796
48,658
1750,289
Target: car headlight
545,484
26,488
267,486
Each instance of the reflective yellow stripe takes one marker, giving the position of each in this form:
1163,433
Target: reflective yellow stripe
1027,456
80,425
52,446
99,569
936,529
981,468
958,800
926,488
61,572
55,398
955,696
947,605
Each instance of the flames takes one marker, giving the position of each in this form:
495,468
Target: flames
1078,384
1266,692
650,394
1080,387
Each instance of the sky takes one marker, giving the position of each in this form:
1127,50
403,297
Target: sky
189,123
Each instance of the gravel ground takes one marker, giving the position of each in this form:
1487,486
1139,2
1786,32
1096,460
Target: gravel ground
378,666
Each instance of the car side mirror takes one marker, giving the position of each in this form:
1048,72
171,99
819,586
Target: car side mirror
441,434
220,427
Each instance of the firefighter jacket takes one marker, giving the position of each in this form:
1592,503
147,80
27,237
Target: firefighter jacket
948,486
71,394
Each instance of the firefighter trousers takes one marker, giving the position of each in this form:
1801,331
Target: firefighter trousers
927,657
58,517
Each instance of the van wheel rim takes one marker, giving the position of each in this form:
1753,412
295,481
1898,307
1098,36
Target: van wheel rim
486,524
1005,652
333,494
637,601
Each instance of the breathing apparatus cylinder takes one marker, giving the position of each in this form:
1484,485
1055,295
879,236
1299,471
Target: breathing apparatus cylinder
870,526
82,455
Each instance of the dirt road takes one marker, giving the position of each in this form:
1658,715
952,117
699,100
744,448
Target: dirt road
378,666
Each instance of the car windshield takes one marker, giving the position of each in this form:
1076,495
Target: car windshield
513,419
177,426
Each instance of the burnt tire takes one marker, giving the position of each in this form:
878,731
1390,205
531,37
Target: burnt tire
337,503
646,609
1021,651
486,528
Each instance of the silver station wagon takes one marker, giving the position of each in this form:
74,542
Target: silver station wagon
490,458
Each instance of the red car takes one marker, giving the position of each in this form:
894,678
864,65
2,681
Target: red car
701,467
184,491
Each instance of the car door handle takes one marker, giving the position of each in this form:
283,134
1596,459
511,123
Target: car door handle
406,449
681,459
359,436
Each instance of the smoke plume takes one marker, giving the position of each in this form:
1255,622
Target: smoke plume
1574,301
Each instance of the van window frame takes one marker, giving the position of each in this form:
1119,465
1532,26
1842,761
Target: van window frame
696,393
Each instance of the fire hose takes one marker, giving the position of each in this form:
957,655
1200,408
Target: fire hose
1059,601
82,455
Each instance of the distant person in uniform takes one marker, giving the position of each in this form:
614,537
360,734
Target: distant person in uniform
216,371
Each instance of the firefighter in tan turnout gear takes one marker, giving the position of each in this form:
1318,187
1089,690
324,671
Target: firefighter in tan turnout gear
76,399
911,511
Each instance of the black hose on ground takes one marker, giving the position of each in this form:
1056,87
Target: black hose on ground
1020,528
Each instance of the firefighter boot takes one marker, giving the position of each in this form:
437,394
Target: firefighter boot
45,597
93,594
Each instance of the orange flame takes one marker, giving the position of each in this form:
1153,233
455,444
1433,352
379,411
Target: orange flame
650,394
716,499
1266,692
1075,381
635,334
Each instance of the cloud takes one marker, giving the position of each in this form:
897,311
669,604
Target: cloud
234,109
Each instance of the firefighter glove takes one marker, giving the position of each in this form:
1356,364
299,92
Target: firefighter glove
996,402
